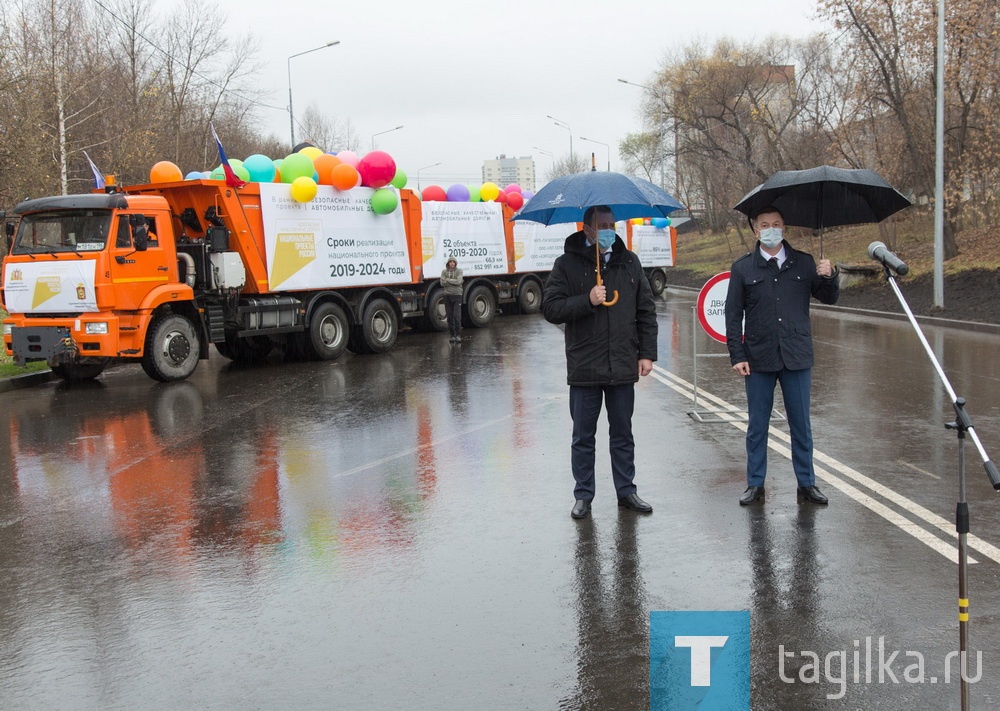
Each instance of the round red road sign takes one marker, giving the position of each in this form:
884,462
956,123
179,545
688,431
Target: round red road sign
712,306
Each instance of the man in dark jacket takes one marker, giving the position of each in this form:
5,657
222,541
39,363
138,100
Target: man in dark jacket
770,287
607,349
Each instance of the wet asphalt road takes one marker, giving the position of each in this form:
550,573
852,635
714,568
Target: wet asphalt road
393,531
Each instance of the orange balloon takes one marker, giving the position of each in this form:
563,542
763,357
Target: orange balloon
165,172
324,165
344,176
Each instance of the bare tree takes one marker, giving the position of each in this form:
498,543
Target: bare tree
329,132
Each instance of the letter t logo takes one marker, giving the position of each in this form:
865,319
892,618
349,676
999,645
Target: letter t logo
701,656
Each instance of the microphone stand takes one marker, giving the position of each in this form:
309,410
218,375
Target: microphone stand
962,426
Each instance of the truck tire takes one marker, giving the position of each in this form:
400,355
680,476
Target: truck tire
378,330
172,348
328,334
436,315
480,307
657,282
77,372
529,297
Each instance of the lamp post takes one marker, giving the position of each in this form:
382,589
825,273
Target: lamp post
433,165
565,125
659,97
291,114
591,140
550,154
388,130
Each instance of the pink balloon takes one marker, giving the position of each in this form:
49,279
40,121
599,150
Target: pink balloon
377,169
434,193
501,196
512,188
515,201
349,157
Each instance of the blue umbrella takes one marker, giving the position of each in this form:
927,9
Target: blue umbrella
566,198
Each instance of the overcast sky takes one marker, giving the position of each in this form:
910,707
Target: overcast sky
469,81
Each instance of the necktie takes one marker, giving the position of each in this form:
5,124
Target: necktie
773,263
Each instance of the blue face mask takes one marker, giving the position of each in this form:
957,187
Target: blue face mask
605,238
770,237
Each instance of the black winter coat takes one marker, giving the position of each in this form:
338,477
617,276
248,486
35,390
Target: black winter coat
603,343
775,302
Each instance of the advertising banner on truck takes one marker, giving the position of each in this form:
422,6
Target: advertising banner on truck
335,240
50,287
471,232
536,246
652,245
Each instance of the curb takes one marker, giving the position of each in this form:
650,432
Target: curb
27,380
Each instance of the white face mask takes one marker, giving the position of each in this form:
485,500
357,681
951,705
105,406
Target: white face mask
770,237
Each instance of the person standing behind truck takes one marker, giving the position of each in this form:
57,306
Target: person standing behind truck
451,280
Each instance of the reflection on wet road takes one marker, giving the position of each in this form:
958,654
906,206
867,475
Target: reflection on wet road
394,530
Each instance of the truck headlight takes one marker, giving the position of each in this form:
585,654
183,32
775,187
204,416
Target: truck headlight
96,328
8,328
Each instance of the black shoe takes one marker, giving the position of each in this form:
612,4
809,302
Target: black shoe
752,494
632,501
581,509
812,494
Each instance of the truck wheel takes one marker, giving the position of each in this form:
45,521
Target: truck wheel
76,372
436,314
378,330
657,282
172,349
480,307
328,334
529,297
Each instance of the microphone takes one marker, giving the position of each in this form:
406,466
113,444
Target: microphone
881,254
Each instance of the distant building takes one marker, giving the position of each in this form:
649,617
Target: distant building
503,171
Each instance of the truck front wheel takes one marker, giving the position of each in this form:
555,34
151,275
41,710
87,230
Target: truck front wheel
172,349
328,332
657,282
378,330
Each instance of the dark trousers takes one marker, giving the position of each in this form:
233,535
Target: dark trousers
795,385
453,307
585,408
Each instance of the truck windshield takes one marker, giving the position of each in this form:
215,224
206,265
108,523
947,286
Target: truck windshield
63,231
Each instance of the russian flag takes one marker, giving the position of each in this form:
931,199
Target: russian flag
232,180
99,181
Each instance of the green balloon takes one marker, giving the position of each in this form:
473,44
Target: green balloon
399,179
296,165
241,171
384,201
218,173
474,195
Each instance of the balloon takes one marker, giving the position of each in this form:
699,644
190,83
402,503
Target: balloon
512,188
303,189
474,195
434,192
260,167
277,173
384,201
165,172
659,222
324,165
501,196
515,200
636,220
241,171
206,174
312,151
194,175
218,174
668,221
344,176
296,165
527,194
489,192
458,193
377,169
399,180
349,157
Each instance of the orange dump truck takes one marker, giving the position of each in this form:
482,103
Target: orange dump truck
158,273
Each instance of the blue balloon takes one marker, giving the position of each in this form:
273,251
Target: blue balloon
260,167
659,222
194,175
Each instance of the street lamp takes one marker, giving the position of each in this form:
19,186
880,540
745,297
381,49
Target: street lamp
291,114
659,97
565,125
388,130
433,165
550,154
591,140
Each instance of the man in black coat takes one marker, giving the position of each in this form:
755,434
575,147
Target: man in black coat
607,349
770,287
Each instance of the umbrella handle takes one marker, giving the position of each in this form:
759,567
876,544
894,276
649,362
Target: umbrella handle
613,301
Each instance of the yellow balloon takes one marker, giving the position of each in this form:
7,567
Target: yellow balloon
312,151
489,192
303,189
636,220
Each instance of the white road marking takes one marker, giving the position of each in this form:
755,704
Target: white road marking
737,418
917,469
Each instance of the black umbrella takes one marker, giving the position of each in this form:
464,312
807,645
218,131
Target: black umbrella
825,197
